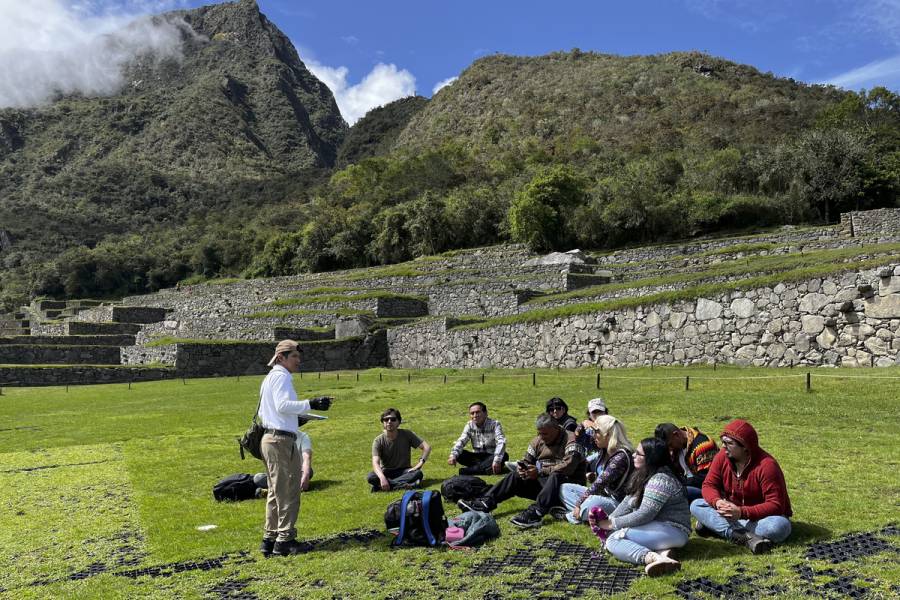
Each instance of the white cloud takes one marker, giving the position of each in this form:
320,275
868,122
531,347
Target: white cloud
883,72
51,47
879,17
385,83
442,84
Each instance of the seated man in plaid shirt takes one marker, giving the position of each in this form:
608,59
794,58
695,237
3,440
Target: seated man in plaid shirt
488,444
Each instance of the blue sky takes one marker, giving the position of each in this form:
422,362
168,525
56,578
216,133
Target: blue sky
370,52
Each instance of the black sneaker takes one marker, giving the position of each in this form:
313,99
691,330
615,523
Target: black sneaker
559,513
291,547
476,504
528,518
266,547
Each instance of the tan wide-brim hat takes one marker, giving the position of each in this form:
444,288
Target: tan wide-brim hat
284,346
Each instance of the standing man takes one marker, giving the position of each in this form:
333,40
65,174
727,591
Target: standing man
304,446
488,444
745,498
279,409
391,456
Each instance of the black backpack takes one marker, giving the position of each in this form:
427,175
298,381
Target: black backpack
235,487
464,487
419,516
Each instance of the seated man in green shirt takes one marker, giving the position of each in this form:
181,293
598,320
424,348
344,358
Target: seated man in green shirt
391,451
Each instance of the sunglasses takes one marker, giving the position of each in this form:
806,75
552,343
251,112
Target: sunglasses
555,407
388,419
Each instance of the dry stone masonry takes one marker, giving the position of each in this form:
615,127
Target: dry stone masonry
431,313
851,320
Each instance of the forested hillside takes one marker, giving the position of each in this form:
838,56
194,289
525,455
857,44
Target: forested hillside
235,161
591,150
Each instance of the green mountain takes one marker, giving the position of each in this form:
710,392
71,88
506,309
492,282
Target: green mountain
634,104
376,133
235,160
184,138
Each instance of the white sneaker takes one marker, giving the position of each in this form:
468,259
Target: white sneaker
660,564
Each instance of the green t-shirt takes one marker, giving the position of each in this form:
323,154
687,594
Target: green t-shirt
394,454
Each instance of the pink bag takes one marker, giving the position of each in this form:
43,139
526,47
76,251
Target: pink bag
454,534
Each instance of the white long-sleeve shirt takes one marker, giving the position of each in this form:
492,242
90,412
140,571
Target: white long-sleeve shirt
279,407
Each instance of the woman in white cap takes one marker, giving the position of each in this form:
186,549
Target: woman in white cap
584,435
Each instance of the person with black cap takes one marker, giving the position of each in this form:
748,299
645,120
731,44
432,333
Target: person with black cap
559,410
279,409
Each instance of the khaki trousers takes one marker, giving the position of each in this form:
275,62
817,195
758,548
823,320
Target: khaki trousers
283,501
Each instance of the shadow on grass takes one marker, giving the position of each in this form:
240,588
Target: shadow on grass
802,534
806,533
321,484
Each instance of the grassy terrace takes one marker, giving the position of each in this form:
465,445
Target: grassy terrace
798,273
321,299
302,312
100,482
840,260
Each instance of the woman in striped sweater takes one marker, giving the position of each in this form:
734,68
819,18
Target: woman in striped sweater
654,517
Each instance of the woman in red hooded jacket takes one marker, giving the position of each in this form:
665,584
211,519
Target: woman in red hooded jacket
745,498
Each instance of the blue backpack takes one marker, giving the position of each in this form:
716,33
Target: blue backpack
418,517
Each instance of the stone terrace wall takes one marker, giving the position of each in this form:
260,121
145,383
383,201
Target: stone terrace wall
144,355
884,222
656,253
817,322
36,376
198,360
69,340
59,355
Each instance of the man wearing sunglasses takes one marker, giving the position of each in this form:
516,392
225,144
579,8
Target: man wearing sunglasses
391,456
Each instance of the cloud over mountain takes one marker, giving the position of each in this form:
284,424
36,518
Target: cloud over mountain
48,48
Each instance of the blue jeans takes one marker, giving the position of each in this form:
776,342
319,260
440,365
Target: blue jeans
631,544
569,493
776,529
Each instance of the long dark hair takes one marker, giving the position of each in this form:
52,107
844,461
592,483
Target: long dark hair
656,458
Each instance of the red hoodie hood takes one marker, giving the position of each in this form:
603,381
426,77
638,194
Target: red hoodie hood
743,432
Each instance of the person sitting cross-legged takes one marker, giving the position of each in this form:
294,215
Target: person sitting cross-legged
654,517
553,458
615,464
692,453
745,498
391,468
488,444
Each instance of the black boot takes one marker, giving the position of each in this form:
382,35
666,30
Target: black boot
757,544
291,547
266,547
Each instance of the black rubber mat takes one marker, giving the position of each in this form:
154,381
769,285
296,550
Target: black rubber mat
169,569
233,589
849,547
592,570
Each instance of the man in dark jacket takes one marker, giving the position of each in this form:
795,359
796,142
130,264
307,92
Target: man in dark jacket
745,498
692,453
553,458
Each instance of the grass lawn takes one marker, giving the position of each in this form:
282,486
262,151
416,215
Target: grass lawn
100,482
